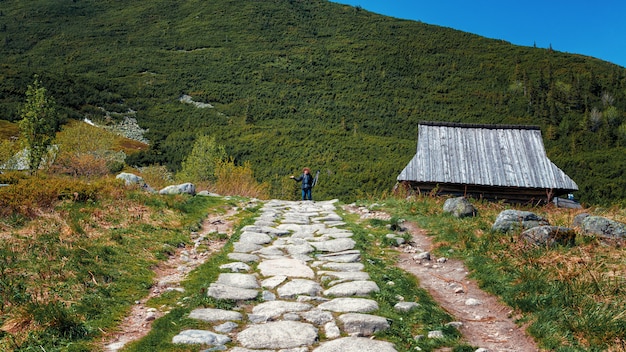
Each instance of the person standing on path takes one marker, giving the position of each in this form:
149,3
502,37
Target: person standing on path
307,183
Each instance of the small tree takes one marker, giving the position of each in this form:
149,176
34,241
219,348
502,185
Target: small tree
39,123
200,164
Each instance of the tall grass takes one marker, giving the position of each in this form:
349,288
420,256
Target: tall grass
75,255
572,298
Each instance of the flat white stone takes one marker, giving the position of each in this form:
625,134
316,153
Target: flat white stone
274,309
274,281
278,335
299,287
287,267
360,344
200,337
211,314
352,288
363,324
335,245
346,304
238,280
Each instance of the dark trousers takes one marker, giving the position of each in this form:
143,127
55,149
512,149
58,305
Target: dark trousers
306,194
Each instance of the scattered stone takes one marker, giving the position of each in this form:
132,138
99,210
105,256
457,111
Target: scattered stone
185,188
455,324
509,220
473,302
603,228
350,256
405,306
255,237
435,334
550,236
238,280
422,256
344,266
459,207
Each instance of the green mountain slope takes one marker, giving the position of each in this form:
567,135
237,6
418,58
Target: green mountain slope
309,83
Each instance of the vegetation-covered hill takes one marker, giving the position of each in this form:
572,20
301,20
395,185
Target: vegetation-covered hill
308,83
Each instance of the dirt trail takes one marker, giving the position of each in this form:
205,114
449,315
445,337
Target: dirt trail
486,322
168,276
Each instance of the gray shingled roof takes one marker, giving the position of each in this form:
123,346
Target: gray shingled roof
486,155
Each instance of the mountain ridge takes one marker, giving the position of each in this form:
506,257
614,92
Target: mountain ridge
313,83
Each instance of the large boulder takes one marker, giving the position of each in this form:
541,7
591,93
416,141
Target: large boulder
605,229
550,236
130,179
184,188
459,207
510,220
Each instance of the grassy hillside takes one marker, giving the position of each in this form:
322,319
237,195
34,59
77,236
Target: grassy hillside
308,83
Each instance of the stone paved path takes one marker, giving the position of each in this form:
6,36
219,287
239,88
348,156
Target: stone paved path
312,287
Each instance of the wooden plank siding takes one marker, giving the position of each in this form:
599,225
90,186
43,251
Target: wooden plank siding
499,160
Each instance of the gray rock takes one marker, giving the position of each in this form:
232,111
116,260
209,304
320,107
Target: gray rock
268,296
238,280
357,324
243,257
342,276
509,220
184,188
435,334
274,281
360,344
226,327
235,267
278,335
285,267
317,316
344,266
218,291
459,207
245,247
275,309
335,245
354,305
351,256
352,288
405,306
299,287
550,236
332,330
200,337
605,229
130,179
578,219
212,315
255,237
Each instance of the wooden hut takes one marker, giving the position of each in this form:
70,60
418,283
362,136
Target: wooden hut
495,162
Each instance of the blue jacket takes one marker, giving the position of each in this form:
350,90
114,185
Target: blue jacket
307,180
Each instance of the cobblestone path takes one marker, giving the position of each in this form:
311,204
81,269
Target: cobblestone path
314,293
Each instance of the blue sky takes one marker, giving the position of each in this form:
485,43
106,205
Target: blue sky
592,28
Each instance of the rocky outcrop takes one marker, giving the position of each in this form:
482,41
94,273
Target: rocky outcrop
510,220
603,228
